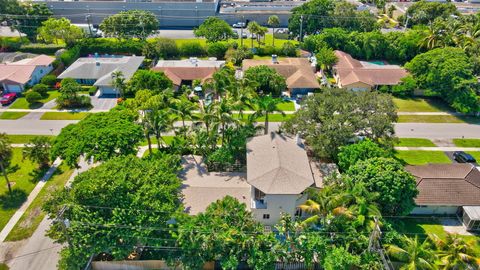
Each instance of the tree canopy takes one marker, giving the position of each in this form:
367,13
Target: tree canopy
337,117
99,136
31,16
130,24
113,208
214,29
54,30
424,12
150,80
387,177
267,79
349,155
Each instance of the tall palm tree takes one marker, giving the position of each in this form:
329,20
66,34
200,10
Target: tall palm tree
5,157
455,253
413,254
434,37
266,105
118,81
362,206
274,22
183,108
223,114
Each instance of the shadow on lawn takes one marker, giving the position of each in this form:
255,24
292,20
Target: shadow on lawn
13,200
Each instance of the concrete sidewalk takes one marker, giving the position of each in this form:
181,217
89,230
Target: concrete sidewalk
438,148
19,213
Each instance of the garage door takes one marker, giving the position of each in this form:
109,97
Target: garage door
107,91
13,88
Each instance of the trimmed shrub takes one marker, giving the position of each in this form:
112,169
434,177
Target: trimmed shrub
109,46
193,48
40,48
167,48
49,80
41,88
217,49
92,90
32,96
237,56
288,49
70,56
268,50
10,44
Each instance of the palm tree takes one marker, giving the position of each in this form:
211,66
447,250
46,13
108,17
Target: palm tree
266,105
223,114
118,82
434,38
184,108
5,157
455,253
273,21
363,206
413,255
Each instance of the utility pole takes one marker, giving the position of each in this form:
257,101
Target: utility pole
241,31
89,24
301,28
65,224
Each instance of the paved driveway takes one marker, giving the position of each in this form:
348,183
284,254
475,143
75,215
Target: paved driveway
103,103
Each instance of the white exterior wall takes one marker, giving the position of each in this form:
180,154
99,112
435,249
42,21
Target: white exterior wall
276,205
39,73
434,210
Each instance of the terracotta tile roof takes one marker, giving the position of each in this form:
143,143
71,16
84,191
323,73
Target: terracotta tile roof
297,72
276,164
20,72
447,184
179,74
350,71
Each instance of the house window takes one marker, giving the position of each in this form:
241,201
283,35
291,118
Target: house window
298,212
266,216
41,71
259,195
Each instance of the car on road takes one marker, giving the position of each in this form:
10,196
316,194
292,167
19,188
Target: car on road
462,157
8,98
239,25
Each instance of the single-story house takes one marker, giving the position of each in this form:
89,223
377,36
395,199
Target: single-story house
278,173
184,72
445,188
358,75
98,71
299,74
18,75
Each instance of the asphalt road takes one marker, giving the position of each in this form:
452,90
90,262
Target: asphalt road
33,127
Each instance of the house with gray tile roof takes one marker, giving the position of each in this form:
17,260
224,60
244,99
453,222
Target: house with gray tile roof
97,71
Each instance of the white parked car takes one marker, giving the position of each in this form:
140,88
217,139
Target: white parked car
239,25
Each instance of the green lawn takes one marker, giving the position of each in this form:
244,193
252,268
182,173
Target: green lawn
23,176
437,119
12,115
25,138
415,142
63,116
467,142
422,157
476,155
420,105
4,266
21,102
167,139
286,106
32,217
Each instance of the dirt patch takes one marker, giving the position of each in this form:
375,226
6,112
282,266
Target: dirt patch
28,221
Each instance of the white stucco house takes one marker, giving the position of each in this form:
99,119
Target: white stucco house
16,76
278,174
97,71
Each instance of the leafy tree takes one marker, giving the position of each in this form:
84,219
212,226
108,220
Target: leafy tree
311,11
108,225
130,24
337,117
49,80
31,16
217,50
69,97
236,56
268,80
148,79
59,29
326,57
38,150
226,232
405,88
424,12
413,254
214,29
8,7
5,157
32,97
266,105
273,21
349,155
446,72
161,47
340,259
99,136
387,177
192,48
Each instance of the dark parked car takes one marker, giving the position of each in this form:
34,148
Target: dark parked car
8,98
463,157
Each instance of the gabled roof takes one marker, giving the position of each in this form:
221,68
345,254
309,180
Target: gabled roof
179,74
350,71
447,184
298,72
276,164
21,71
101,68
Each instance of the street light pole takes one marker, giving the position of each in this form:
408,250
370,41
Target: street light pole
301,28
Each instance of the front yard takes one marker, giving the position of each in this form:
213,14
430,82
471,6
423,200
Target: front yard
420,105
413,157
17,139
438,119
21,102
64,116
12,115
414,142
467,142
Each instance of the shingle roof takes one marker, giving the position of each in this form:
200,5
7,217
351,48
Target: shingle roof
447,184
179,74
297,72
21,71
87,68
276,164
350,71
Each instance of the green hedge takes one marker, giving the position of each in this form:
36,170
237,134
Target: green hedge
11,44
70,56
39,48
110,46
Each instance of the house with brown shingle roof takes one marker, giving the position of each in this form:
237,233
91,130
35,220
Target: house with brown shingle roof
16,76
184,72
298,73
358,75
445,188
